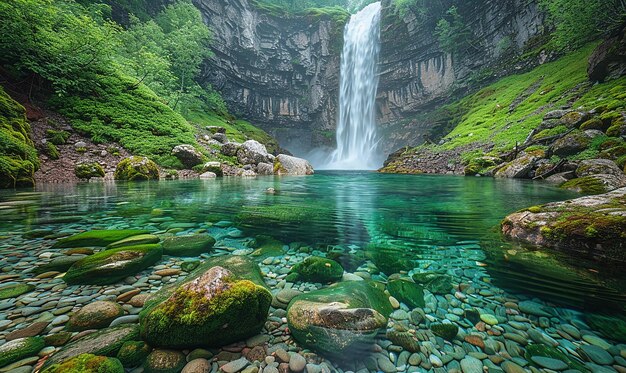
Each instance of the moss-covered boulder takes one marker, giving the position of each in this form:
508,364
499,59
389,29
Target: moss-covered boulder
445,331
164,361
58,264
188,245
111,266
97,238
133,353
407,292
87,363
316,269
595,184
18,349
436,283
136,169
141,239
88,170
520,167
18,156
221,302
570,144
105,342
14,290
591,227
341,319
96,315
390,259
590,167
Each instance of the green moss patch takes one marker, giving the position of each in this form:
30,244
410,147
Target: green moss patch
136,169
188,245
316,269
18,349
87,363
88,170
14,290
97,238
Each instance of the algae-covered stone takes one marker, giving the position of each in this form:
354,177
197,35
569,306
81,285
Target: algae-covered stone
316,269
613,327
407,292
436,283
96,315
133,353
18,349
595,184
541,350
105,342
389,259
87,363
97,238
445,331
340,319
141,239
136,169
14,290
88,170
58,264
188,245
110,266
223,301
164,361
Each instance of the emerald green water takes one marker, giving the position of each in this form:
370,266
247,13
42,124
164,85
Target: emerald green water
435,219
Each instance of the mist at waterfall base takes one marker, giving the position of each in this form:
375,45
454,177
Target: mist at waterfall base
357,139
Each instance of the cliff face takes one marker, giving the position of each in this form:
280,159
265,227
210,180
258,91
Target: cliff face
417,75
281,74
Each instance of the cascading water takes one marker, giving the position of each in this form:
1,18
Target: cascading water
357,140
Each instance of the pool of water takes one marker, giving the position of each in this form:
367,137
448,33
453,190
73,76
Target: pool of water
423,222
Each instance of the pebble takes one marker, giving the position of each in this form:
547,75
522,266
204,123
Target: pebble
297,362
471,365
197,366
235,365
549,363
597,354
488,319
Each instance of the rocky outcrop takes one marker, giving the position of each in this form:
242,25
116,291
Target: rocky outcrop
279,72
590,227
609,59
288,165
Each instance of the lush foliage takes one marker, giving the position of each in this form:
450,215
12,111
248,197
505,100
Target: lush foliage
451,32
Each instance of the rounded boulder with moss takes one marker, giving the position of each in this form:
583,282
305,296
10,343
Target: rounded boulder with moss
316,269
133,353
18,349
188,245
97,238
96,315
88,170
136,169
223,301
87,363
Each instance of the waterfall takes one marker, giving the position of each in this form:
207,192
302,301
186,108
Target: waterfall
357,139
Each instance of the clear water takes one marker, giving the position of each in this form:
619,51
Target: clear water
357,139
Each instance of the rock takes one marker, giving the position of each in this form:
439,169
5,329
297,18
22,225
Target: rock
555,114
164,361
445,331
520,167
297,362
589,226
597,354
534,351
18,349
197,366
407,292
434,282
106,342
58,264
252,152
573,119
235,365
590,167
133,353
14,290
406,340
595,184
188,245
80,145
30,331
221,137
87,363
96,315
136,169
549,363
611,327
471,365
288,165
608,59
97,238
88,170
511,367
141,239
111,266
230,149
561,177
208,175
316,269
489,319
265,169
341,318
570,144
221,302
187,155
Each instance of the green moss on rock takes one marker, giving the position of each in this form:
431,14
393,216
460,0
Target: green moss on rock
133,353
97,238
136,169
445,331
188,245
407,292
585,185
14,290
316,269
140,239
111,266
87,363
594,124
96,315
164,361
88,170
51,150
18,349
436,283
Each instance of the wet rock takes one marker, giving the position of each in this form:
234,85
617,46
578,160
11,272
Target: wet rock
164,361
87,363
288,165
597,355
136,169
96,315
188,245
235,365
445,331
30,331
14,290
133,353
97,238
18,349
197,366
141,239
434,282
316,269
407,292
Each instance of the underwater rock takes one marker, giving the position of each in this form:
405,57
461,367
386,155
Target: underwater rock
141,239
58,264
545,351
188,245
133,353
445,331
225,300
14,290
587,227
389,259
407,292
96,315
97,238
406,340
316,269
288,165
87,363
18,349
340,319
136,169
612,327
110,266
434,282
164,361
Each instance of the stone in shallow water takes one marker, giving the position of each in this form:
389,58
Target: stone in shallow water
549,363
87,363
14,290
489,319
188,245
597,354
164,361
511,367
445,331
18,349
533,308
407,292
96,315
98,238
471,365
316,269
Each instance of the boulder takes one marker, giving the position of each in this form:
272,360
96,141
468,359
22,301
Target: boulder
164,361
111,266
595,184
316,269
220,137
230,148
133,353
590,227
223,301
252,152
208,176
288,165
97,238
87,363
574,119
520,167
96,315
141,239
21,348
215,167
14,289
340,320
407,292
265,169
136,168
88,170
187,154
598,166
188,245
555,114
570,144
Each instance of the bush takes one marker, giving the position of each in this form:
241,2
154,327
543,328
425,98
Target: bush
57,137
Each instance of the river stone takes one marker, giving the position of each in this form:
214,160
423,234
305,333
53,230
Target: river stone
111,266
471,365
97,238
511,367
316,269
445,331
59,264
597,341
104,342
288,165
96,315
597,354
30,331
549,363
197,366
296,362
18,349
533,308
223,301
87,363
164,361
407,292
140,239
489,319
235,365
14,290
188,245
434,282
133,353
340,319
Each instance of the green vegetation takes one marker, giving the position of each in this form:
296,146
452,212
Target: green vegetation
452,33
88,170
136,169
87,363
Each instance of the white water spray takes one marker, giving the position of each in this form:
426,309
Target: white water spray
357,141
